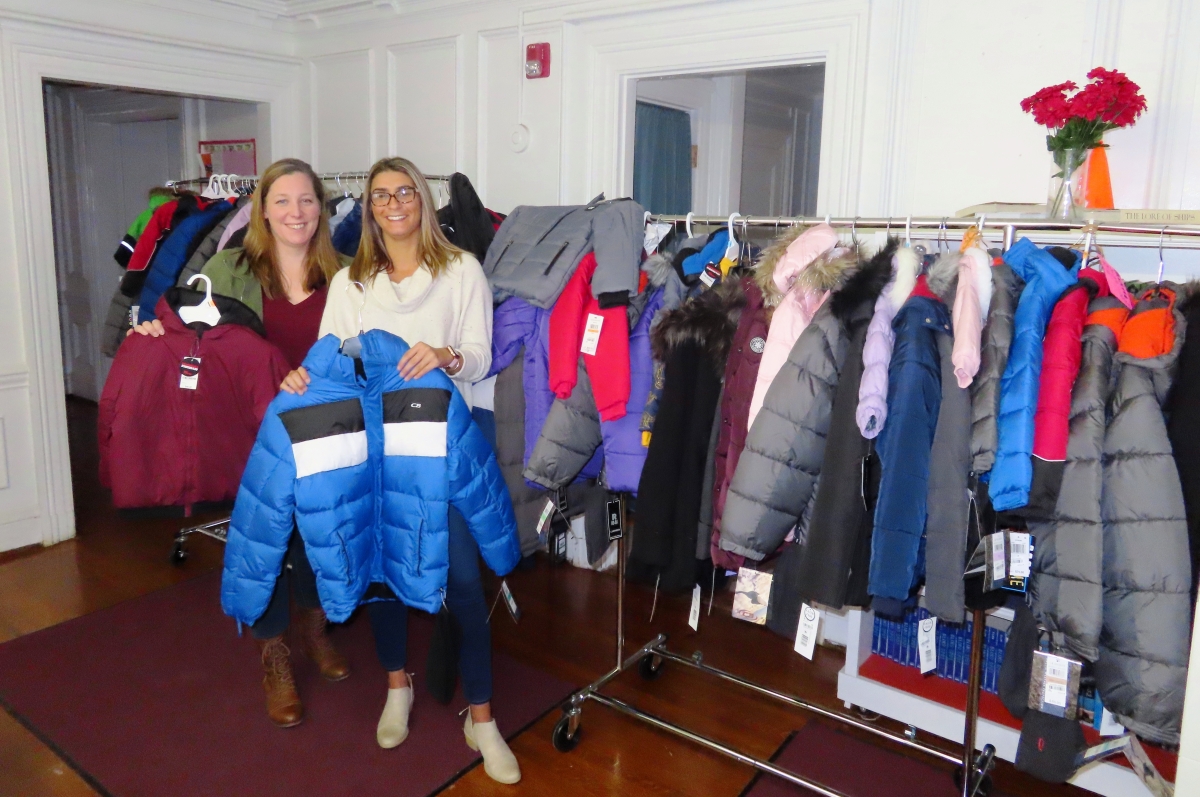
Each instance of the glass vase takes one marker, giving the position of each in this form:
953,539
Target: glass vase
1066,185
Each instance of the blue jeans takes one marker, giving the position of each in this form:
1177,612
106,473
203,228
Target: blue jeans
464,597
296,580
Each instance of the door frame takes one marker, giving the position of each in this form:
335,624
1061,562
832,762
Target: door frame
35,52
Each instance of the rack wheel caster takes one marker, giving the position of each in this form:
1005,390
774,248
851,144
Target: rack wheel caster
650,667
178,554
564,742
982,790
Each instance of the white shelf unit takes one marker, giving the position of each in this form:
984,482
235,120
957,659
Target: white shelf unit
1111,780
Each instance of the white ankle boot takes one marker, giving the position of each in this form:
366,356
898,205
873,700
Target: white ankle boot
393,723
498,761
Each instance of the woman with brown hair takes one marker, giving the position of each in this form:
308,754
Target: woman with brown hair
433,295
283,274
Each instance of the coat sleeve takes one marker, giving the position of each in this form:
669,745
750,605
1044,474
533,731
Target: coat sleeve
477,490
877,355
568,439
609,366
118,375
261,525
567,321
617,238
514,322
475,325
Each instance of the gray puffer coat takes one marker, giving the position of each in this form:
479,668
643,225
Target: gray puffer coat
993,359
1068,558
1144,641
777,474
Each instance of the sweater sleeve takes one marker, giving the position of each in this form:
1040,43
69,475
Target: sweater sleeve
339,317
475,323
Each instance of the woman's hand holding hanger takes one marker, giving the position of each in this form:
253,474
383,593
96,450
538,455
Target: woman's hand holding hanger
153,328
296,382
423,358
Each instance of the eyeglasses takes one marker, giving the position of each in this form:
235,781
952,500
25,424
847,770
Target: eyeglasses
404,195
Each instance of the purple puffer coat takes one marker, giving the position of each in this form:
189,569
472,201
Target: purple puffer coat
517,323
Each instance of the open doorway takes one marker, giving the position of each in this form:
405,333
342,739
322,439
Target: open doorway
746,141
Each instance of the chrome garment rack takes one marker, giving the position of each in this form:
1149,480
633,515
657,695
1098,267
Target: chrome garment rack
249,181
972,774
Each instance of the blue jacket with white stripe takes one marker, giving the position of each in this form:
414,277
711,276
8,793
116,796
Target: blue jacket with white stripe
365,464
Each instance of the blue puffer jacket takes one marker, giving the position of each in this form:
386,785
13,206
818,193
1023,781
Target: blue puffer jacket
914,400
1045,280
173,254
365,466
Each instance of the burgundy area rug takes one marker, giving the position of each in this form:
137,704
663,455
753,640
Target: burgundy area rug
852,766
158,696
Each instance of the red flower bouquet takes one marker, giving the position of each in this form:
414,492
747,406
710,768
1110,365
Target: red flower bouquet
1079,121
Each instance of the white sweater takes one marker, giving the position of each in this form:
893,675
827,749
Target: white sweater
453,310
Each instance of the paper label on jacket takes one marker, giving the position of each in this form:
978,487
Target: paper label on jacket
927,644
1022,557
806,633
591,334
752,595
694,613
189,373
544,520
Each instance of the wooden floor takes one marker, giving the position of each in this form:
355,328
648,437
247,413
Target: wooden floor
567,629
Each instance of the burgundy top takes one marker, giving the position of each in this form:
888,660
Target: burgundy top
294,327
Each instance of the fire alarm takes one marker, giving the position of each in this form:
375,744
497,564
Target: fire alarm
537,60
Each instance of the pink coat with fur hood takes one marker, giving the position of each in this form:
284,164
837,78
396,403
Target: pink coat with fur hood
797,300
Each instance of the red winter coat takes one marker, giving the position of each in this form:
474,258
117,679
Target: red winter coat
1061,357
741,372
165,445
608,368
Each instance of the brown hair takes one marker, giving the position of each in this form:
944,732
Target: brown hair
321,262
433,250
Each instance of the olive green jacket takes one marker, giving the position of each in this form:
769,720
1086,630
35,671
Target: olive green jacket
233,279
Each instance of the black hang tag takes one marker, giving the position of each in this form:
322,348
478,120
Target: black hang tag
615,520
560,500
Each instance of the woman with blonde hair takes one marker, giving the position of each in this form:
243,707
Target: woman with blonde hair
282,274
435,296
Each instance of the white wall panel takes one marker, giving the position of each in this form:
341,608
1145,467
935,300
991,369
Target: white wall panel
343,111
423,104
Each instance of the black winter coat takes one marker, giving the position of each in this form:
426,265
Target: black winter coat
693,343
1183,422
465,221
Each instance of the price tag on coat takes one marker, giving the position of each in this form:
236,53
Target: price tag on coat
615,520
544,520
591,334
927,644
510,601
996,541
1021,556
694,614
806,634
189,373
134,312
1057,670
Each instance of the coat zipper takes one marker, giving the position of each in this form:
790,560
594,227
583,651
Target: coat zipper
420,528
554,259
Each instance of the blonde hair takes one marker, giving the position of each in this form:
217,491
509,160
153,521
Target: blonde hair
321,261
433,250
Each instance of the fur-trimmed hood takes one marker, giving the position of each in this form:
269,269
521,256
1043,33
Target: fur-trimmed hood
807,259
905,266
708,320
862,288
942,276
658,269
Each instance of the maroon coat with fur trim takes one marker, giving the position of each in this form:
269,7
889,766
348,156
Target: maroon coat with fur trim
166,445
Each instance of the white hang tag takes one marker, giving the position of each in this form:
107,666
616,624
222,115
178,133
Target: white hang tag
694,614
996,541
1055,691
806,634
1109,725
189,373
591,334
654,235
544,520
510,601
133,314
1021,559
927,644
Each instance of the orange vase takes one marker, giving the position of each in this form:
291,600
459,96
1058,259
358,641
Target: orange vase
1097,184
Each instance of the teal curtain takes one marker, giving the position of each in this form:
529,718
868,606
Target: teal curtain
662,159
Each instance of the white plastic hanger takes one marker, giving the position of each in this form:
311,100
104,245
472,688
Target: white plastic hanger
204,313
687,224
213,189
908,231
352,347
732,249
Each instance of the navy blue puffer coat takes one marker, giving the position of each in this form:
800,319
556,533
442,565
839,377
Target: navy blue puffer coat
365,465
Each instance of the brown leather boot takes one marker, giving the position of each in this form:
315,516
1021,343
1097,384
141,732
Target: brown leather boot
314,642
283,702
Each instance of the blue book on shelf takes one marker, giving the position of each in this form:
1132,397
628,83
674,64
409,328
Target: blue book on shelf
875,635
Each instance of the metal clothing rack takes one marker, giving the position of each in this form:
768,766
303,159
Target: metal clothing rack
972,776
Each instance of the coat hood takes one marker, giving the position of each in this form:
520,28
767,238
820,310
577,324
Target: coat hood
862,287
789,256
658,269
708,320
905,265
942,276
1154,332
